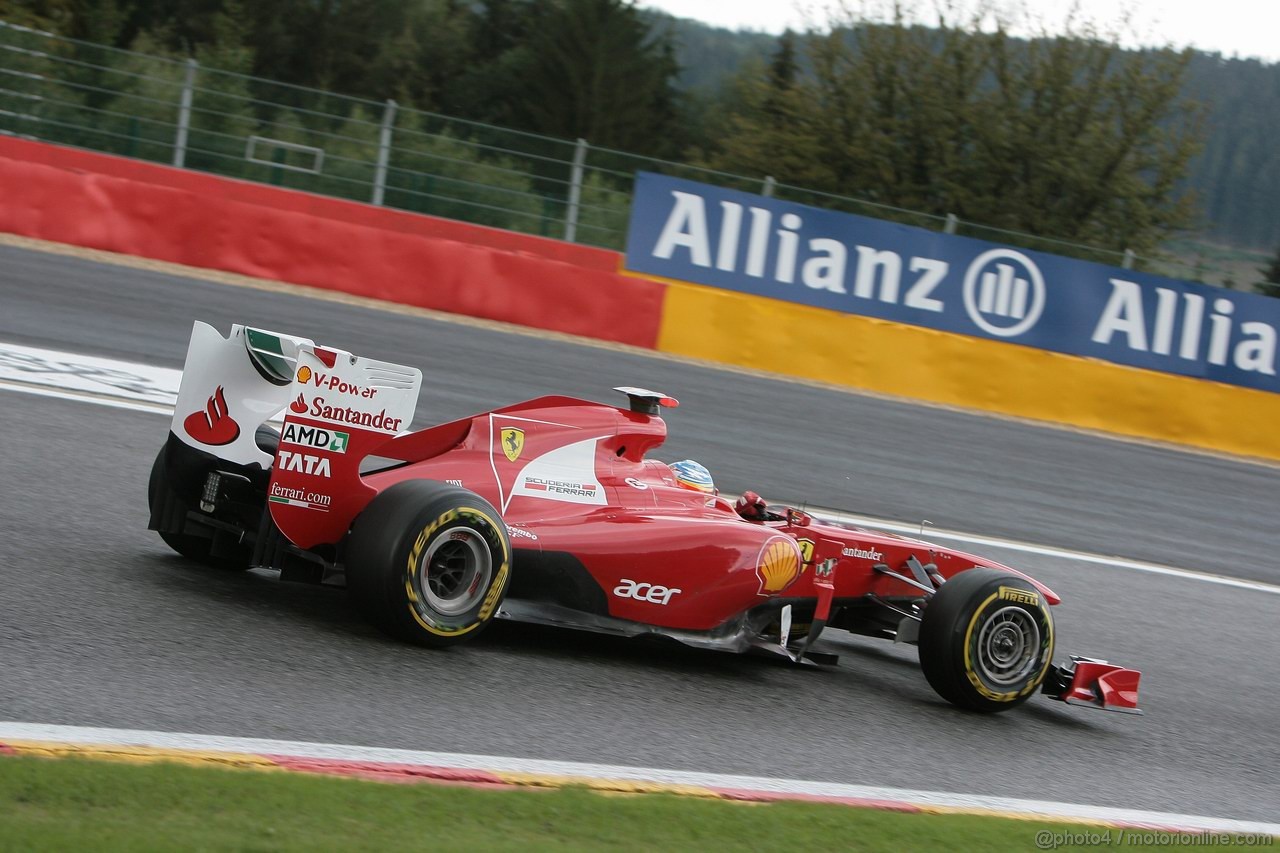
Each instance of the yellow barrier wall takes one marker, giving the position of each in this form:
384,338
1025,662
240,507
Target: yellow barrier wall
908,361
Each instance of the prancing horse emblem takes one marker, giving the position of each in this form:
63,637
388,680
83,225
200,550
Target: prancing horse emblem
512,443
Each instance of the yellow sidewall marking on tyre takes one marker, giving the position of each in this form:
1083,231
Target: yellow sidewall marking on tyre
973,677
495,588
1019,596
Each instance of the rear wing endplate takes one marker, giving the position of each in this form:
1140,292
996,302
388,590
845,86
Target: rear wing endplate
338,408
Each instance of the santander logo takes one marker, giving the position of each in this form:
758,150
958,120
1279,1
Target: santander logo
298,406
213,425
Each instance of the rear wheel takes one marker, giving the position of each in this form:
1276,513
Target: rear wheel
169,511
986,640
428,563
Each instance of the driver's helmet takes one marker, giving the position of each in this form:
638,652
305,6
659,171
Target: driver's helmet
691,475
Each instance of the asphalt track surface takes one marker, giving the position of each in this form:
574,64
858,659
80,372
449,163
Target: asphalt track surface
101,625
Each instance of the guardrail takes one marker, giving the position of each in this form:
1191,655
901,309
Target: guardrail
72,92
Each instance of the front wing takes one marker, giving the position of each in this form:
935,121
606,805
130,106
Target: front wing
1093,683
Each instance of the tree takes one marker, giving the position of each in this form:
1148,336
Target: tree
436,173
40,14
1270,284
421,64
324,44
1070,137
783,73
589,69
91,20
1237,178
772,127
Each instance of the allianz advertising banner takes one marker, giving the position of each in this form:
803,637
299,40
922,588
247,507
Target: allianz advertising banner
749,243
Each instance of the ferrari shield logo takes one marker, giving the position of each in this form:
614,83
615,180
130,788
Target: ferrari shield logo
806,550
512,443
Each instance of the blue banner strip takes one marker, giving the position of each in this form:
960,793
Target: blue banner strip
762,246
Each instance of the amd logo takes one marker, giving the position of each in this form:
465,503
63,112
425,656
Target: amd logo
318,437
644,592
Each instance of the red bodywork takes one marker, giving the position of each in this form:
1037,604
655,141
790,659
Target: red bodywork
604,539
578,483
598,536
1099,684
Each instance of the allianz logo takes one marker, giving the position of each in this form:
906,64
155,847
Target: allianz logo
1176,328
1004,292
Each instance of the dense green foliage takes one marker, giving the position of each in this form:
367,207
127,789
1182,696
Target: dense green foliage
1237,178
1270,284
1071,138
567,68
1066,137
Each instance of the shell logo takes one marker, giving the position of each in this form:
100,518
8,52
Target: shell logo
779,565
304,374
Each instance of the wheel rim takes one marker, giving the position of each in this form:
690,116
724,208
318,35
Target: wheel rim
1008,647
454,572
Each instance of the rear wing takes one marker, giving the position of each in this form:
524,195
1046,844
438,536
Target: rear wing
337,407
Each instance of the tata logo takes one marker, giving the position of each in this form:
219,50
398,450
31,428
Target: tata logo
303,463
645,592
512,443
1004,293
324,439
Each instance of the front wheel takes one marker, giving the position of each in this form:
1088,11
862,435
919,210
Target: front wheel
986,640
428,563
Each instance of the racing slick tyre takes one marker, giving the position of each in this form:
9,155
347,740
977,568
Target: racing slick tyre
428,563
162,500
986,640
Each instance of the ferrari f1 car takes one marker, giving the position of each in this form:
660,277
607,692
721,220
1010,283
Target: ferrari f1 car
551,511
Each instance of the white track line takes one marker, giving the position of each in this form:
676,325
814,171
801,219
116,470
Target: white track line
88,374
82,397
98,384
144,388
254,746
913,530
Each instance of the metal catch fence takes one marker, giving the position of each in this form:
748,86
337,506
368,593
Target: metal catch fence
193,116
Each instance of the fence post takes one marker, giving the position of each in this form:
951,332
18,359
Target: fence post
953,222
575,191
769,184
1129,258
184,115
384,151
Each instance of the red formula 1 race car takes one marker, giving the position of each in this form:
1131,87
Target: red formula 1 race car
550,511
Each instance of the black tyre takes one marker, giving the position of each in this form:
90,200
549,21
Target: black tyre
169,510
986,640
428,563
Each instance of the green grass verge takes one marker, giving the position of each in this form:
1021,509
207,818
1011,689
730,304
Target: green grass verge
72,804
